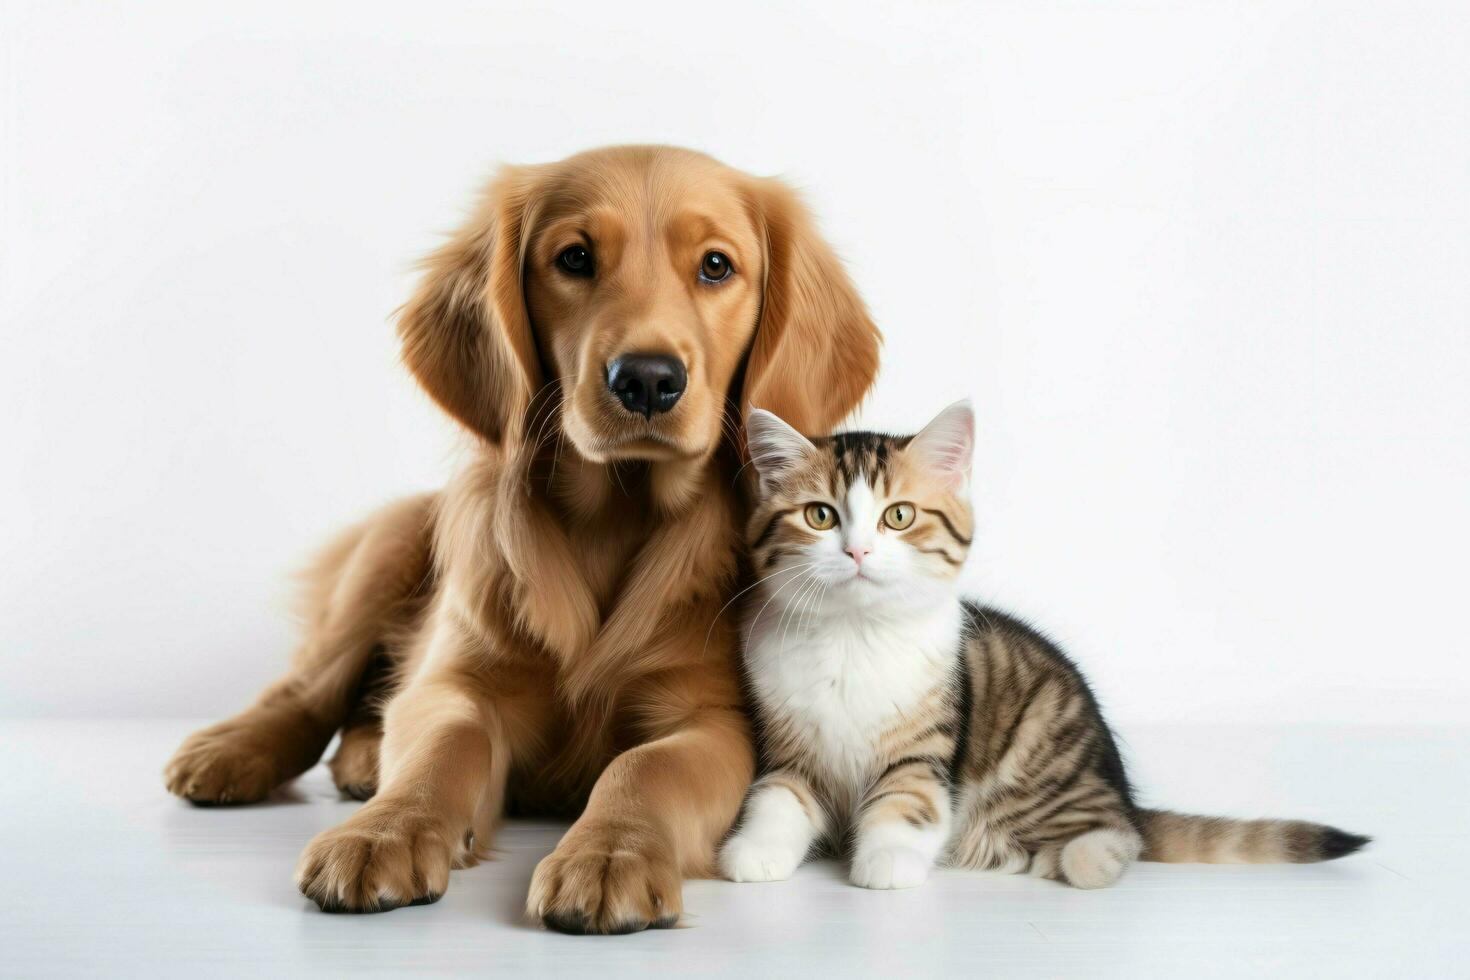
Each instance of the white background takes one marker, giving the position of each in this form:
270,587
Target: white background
1202,267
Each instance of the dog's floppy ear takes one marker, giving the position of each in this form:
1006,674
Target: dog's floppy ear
816,350
465,332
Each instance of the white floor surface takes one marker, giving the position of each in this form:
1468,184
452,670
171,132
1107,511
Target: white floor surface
104,874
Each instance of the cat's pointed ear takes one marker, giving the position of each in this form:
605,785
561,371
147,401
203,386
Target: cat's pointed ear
775,448
945,445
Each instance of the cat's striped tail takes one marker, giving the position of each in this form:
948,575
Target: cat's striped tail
1188,839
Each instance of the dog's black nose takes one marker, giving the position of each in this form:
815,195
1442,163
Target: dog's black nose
647,383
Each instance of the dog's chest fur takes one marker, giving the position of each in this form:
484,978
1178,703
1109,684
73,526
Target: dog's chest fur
608,524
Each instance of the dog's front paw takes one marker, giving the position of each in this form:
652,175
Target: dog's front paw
607,879
382,858
745,859
222,766
889,867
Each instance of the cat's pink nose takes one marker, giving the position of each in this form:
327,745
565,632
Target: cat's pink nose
858,553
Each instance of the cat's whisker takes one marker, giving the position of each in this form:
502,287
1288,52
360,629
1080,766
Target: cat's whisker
783,624
808,598
821,603
812,598
784,570
756,620
753,585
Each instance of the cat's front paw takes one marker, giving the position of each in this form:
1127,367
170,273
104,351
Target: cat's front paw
744,859
889,867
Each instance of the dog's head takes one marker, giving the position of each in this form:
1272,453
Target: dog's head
646,286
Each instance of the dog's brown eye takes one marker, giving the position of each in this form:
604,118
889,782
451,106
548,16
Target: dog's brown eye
575,260
820,516
715,267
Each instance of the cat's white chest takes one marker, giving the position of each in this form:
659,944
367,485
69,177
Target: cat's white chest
839,686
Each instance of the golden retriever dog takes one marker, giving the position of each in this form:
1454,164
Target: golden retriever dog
553,632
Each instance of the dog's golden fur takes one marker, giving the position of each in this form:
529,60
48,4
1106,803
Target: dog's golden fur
550,632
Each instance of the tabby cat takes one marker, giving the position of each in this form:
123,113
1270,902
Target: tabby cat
913,726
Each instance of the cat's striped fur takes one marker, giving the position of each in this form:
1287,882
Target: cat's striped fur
909,726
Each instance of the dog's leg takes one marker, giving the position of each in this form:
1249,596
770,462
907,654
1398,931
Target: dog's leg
444,765
361,586
655,816
355,764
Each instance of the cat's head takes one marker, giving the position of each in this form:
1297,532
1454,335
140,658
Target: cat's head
867,516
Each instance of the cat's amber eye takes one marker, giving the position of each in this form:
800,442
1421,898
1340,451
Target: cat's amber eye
899,516
821,517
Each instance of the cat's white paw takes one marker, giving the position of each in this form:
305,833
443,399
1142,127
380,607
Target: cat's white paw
1098,858
889,867
744,859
